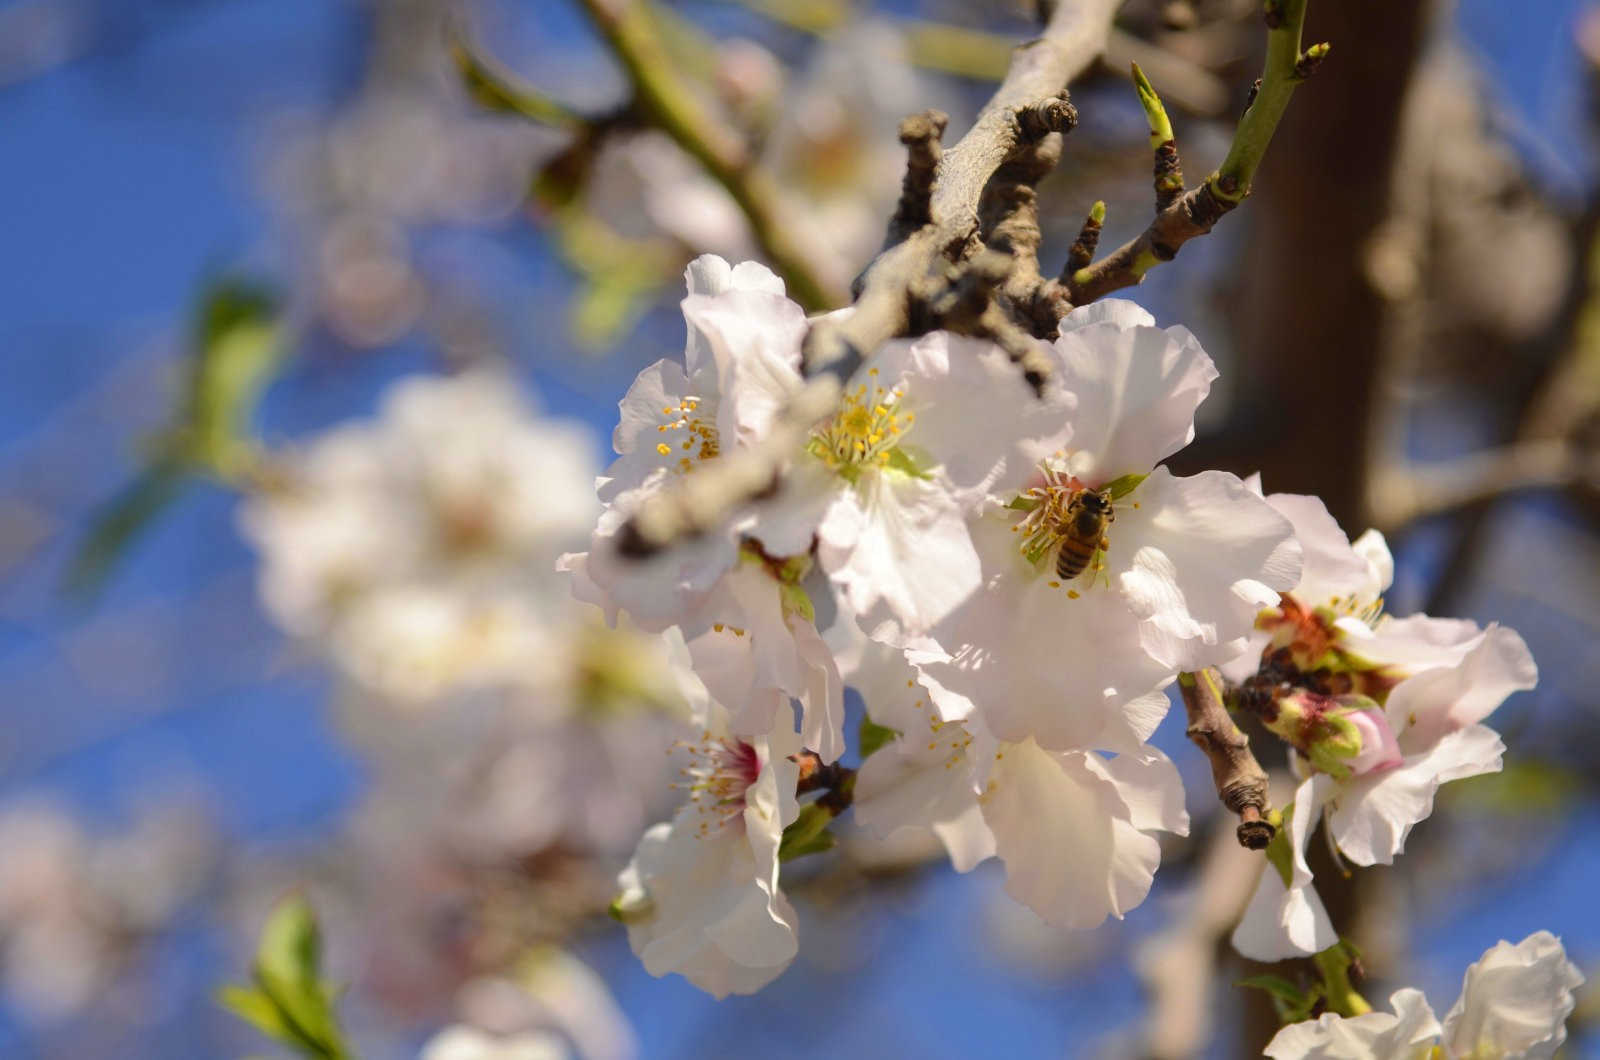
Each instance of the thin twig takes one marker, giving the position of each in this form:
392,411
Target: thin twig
1197,211
1240,781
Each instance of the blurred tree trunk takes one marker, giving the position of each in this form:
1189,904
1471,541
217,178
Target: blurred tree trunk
1308,323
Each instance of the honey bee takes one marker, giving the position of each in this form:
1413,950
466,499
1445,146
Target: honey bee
1083,531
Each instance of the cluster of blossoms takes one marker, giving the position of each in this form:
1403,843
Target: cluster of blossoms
1013,582
417,550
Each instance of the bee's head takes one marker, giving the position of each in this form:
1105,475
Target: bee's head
1097,501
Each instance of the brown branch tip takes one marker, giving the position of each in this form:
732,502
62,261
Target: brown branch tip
1240,781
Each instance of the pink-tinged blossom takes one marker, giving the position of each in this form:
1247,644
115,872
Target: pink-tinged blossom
1410,692
701,895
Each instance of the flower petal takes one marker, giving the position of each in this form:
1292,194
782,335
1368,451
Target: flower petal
754,338
1062,829
1406,1034
1514,1001
1425,706
1198,558
1137,389
709,275
1034,662
1286,921
905,551
1334,570
1373,813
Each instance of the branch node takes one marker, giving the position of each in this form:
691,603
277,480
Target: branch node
1240,781
1310,59
921,135
1272,13
1037,120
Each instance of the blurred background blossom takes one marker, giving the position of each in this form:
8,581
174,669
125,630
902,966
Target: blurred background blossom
336,660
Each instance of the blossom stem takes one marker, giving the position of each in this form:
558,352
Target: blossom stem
1240,781
1334,964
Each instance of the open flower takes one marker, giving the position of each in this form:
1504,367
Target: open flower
416,549
1106,575
701,895
673,419
749,623
1514,1002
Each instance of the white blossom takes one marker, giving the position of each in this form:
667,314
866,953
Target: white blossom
1285,917
1514,1002
418,549
461,1042
1189,562
701,895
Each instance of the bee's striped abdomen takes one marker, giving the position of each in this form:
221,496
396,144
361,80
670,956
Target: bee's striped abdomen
1074,556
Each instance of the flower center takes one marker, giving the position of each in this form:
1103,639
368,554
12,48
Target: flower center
699,440
865,430
719,773
1064,529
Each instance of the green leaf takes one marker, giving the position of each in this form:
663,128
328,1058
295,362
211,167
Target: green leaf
290,949
1126,484
118,523
256,1009
290,1002
1020,503
871,737
494,88
808,834
237,349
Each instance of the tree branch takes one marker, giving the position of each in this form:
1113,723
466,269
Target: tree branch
1398,496
663,98
1198,211
1240,781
